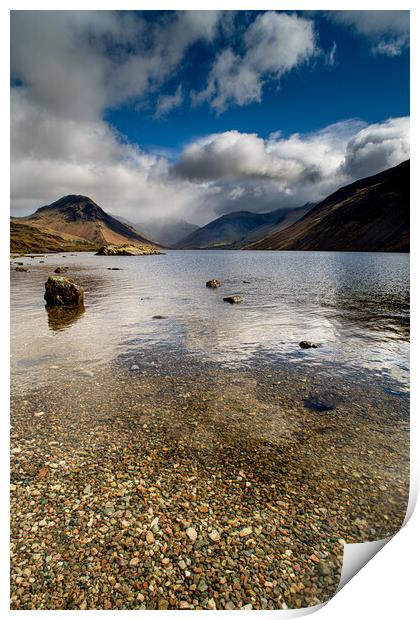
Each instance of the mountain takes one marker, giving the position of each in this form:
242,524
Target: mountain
167,231
371,215
78,217
238,228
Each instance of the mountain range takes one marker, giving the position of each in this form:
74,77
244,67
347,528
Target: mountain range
372,214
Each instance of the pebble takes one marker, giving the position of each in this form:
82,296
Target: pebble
191,533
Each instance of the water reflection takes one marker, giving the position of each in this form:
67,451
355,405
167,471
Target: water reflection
62,317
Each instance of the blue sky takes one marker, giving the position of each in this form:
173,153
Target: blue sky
194,114
358,84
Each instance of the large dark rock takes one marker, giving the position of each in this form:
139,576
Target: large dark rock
61,291
213,283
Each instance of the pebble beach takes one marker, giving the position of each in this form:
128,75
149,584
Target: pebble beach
210,490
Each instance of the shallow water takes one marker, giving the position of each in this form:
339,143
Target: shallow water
354,305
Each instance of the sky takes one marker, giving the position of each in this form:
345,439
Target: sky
193,114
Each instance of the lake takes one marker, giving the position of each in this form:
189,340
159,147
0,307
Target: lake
354,305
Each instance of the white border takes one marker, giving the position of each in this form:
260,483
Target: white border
387,586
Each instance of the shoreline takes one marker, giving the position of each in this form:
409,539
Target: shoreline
202,490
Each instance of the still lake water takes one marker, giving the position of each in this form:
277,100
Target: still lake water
354,305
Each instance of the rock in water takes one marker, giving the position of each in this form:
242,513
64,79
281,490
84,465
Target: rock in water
61,291
306,344
233,299
127,249
213,283
60,270
18,268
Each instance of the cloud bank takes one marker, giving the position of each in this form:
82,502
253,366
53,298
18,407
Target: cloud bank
69,67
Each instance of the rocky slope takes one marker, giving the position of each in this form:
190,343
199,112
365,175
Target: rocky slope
372,214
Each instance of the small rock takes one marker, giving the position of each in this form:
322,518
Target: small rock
184,605
134,561
324,569
158,316
202,586
215,536
307,344
191,533
163,604
134,367
150,539
18,268
60,269
233,299
38,414
213,283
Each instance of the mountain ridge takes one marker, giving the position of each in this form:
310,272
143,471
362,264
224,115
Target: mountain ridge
370,214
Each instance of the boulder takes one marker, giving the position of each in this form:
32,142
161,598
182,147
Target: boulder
213,283
61,291
233,299
306,344
127,249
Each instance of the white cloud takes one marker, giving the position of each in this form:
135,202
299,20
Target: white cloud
166,103
77,63
389,30
274,44
377,147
